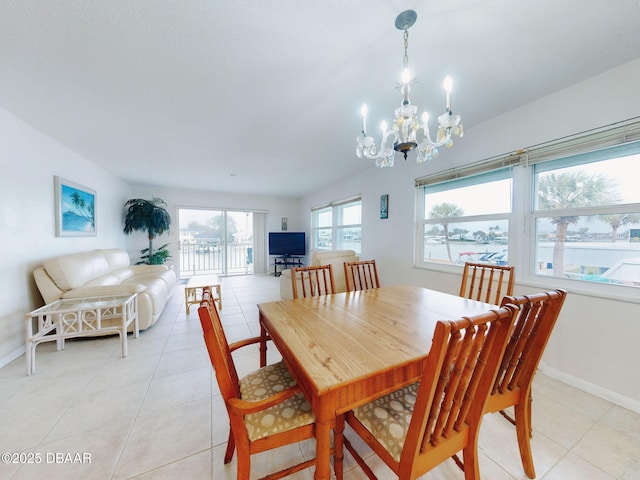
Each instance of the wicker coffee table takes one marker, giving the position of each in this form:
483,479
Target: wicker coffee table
193,290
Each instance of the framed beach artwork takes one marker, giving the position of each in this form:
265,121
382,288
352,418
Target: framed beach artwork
75,209
384,206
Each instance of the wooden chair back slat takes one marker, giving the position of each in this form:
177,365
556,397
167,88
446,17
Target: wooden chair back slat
218,347
512,388
312,281
450,406
513,359
361,275
453,348
458,376
487,283
533,327
467,389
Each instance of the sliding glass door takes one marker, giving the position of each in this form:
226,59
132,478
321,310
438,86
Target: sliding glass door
215,241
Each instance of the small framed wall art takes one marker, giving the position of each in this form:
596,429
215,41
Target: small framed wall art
384,206
75,209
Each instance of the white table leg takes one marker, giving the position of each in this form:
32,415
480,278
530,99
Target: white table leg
30,358
136,322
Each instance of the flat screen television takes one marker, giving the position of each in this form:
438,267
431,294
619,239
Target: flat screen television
287,243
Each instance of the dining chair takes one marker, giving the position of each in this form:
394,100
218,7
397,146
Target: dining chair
266,408
417,427
312,281
361,275
533,326
487,283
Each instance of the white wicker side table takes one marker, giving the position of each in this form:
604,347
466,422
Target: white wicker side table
80,317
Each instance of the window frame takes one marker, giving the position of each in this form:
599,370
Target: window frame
336,222
501,173
536,214
522,225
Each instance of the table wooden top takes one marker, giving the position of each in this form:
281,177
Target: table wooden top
343,338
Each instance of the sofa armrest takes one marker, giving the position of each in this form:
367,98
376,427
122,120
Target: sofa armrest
286,289
103,290
335,258
48,289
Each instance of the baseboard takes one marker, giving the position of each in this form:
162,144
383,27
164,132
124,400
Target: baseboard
7,359
613,397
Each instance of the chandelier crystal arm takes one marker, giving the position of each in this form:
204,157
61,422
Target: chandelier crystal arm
406,126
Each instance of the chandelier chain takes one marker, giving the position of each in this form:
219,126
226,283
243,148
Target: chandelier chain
405,59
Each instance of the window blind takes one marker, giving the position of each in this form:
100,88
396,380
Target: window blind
620,133
337,203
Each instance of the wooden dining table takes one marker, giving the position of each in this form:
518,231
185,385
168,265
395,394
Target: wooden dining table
347,349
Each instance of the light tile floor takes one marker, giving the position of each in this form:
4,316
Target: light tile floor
158,414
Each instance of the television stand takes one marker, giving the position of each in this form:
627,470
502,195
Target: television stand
284,262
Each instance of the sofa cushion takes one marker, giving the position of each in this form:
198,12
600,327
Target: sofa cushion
123,274
75,270
116,258
165,274
156,289
108,279
99,291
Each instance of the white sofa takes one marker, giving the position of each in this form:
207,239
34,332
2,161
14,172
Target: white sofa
335,258
107,272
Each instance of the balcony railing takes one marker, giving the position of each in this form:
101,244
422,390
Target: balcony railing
209,257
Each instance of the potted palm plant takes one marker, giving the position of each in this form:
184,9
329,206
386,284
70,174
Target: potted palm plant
152,217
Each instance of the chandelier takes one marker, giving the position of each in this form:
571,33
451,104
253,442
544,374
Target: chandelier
405,131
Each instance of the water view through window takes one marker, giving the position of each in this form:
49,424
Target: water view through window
588,226
467,221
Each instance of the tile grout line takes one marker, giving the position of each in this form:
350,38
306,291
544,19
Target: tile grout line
137,415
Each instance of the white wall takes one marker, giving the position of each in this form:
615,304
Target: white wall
594,345
276,208
29,161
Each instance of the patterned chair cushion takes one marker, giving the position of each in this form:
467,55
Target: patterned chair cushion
388,418
293,412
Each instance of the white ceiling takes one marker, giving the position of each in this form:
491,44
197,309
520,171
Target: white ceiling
264,96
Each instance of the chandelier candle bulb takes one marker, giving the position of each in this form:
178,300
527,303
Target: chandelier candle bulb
406,88
406,76
448,87
363,111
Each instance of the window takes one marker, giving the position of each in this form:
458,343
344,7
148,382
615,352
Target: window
337,226
566,213
466,219
587,216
